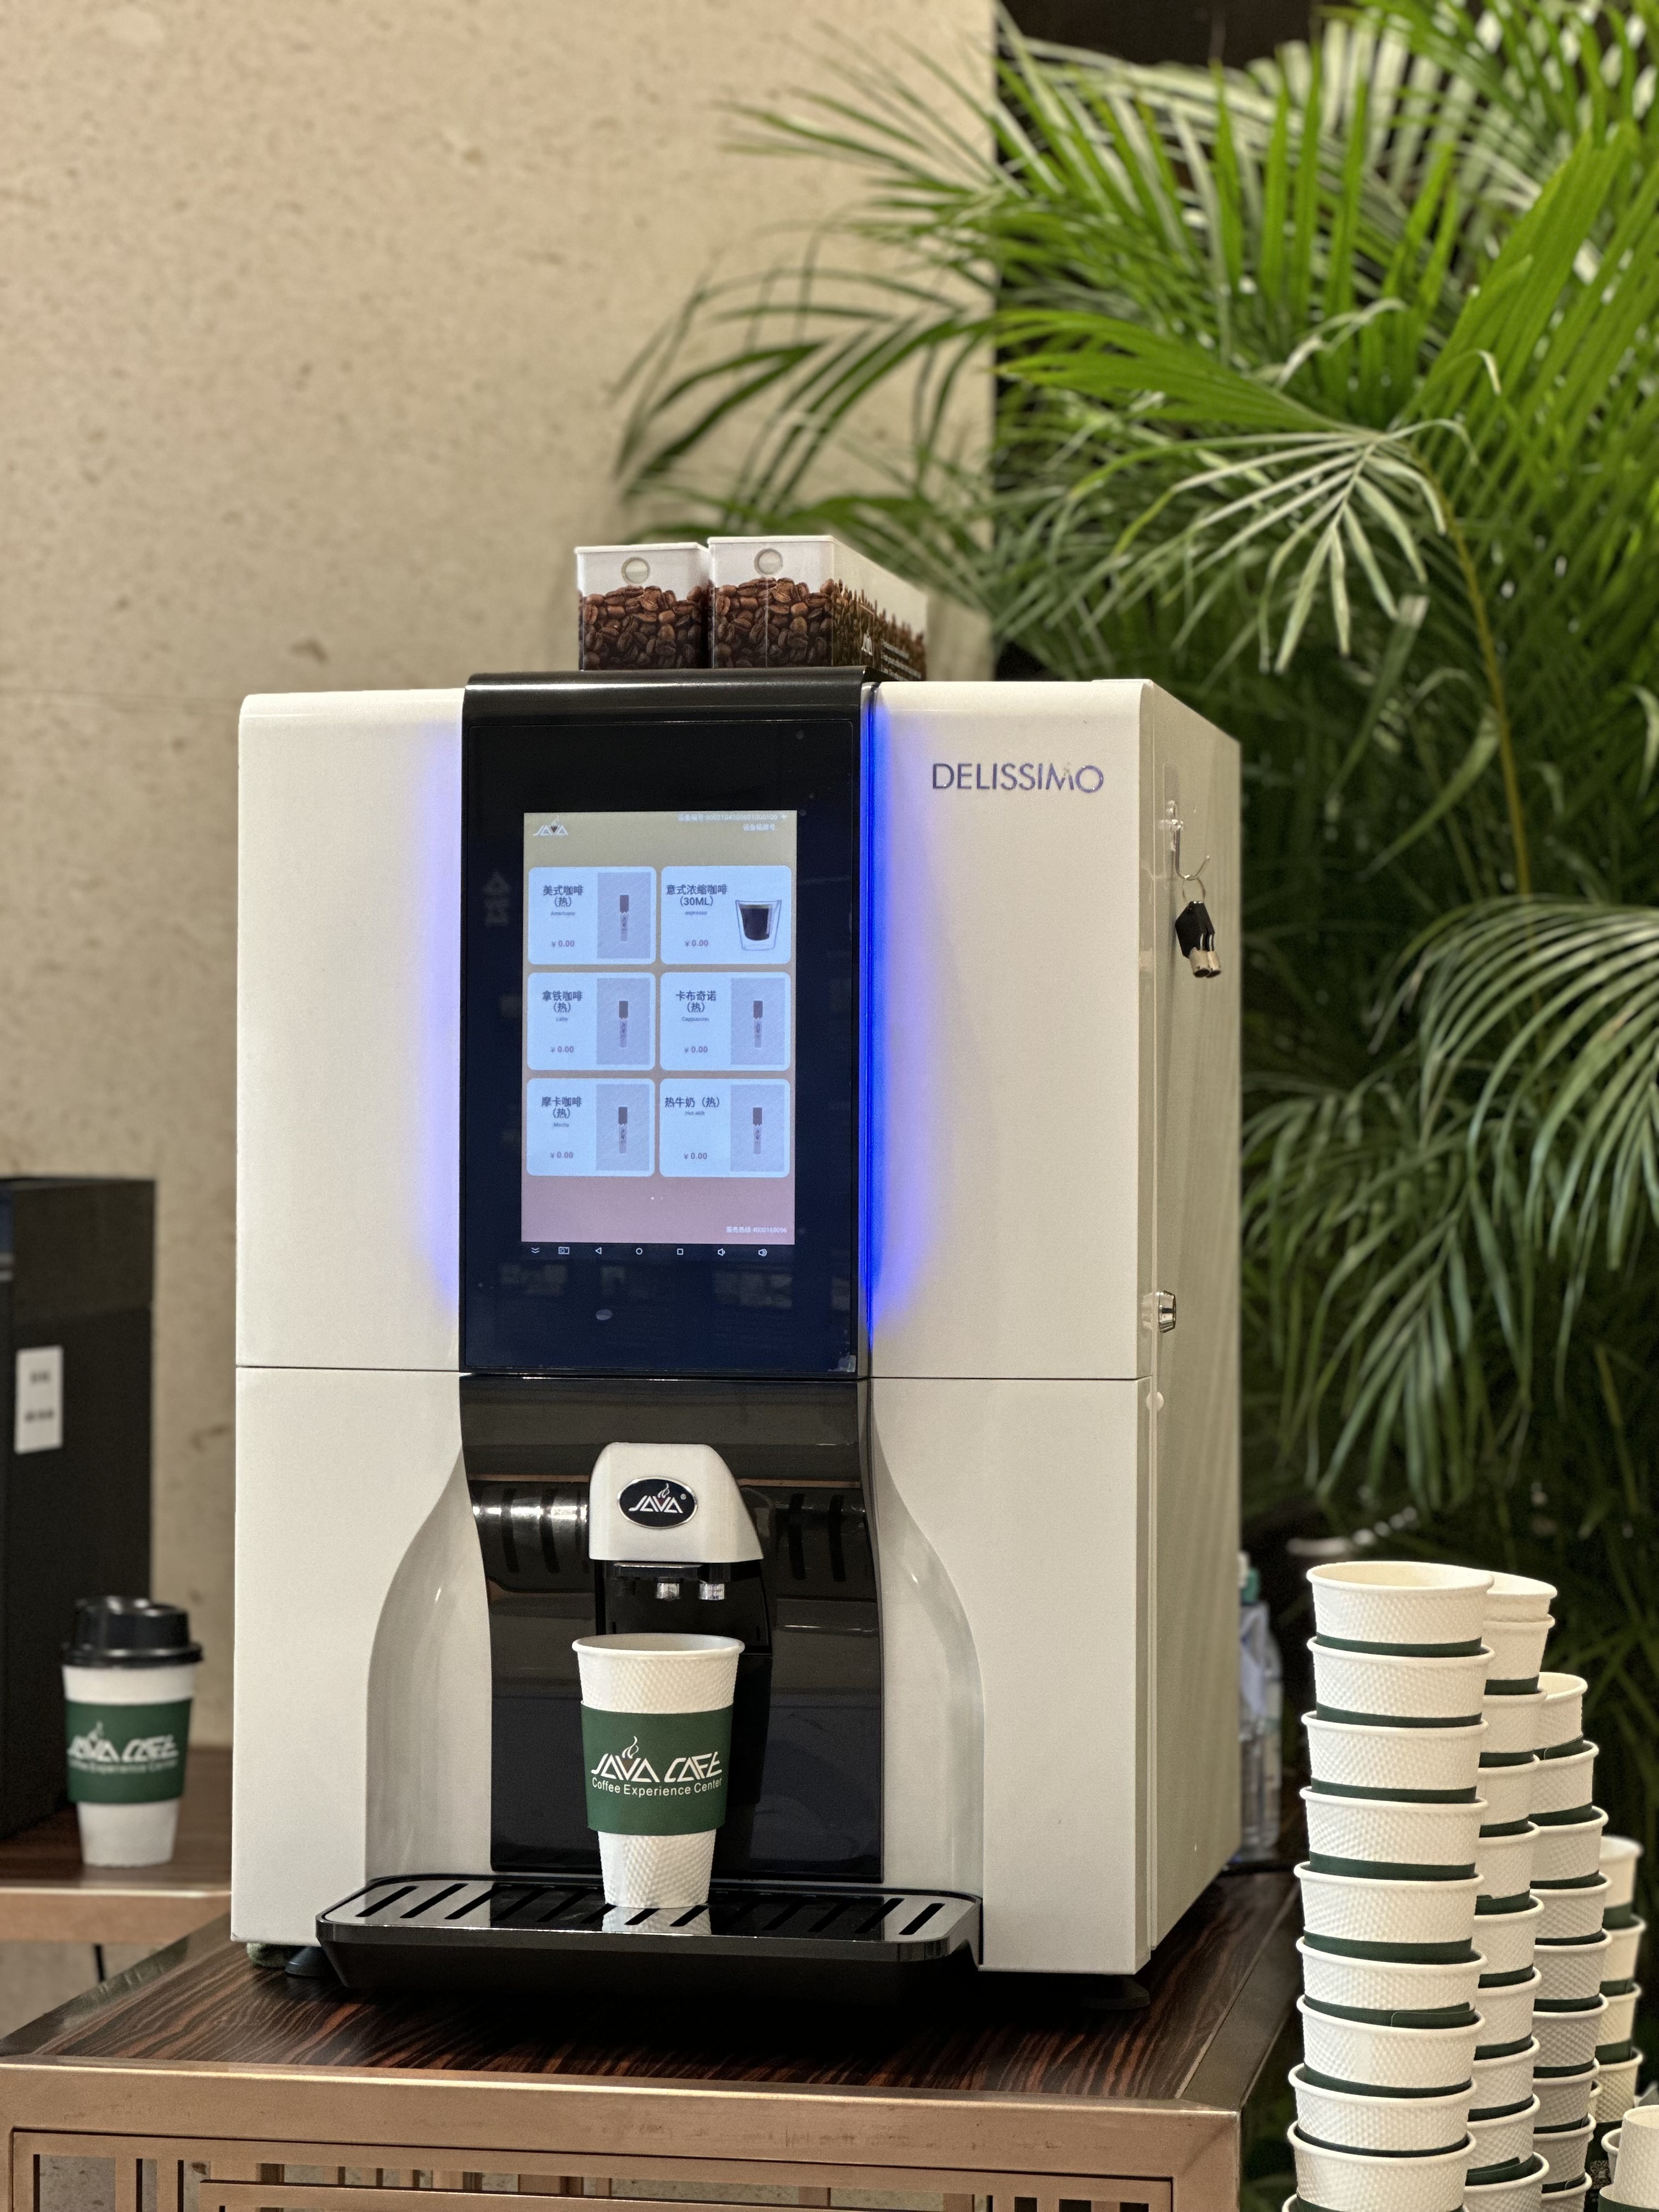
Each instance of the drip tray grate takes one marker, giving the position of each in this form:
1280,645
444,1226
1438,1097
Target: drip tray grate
836,1943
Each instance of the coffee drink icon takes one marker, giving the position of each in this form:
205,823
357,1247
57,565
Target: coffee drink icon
757,921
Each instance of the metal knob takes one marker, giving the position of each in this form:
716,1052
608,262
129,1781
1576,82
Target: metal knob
1165,1303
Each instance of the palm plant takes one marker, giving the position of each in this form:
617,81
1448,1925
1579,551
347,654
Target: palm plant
1327,393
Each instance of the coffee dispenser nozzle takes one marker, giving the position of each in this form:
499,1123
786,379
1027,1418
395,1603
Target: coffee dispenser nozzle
651,1505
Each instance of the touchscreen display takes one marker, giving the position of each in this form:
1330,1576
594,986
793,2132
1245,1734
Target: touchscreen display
659,1032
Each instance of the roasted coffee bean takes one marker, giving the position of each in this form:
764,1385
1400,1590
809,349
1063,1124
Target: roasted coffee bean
772,621
642,625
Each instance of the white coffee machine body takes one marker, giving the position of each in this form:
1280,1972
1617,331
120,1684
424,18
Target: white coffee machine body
1045,1309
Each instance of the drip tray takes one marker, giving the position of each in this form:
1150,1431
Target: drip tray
832,1943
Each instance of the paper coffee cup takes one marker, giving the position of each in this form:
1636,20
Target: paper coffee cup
1618,2020
1369,2055
1563,2151
1567,2036
1387,1986
1521,2191
1517,1653
1416,1604
1384,1837
1506,2014
1414,1919
1391,1762
1502,2083
1513,1720
1573,1971
1517,1597
1624,1949
1505,1862
1618,1858
1617,2094
1569,1850
1359,2181
1508,1940
657,1755
1639,2155
1356,1684
129,1679
1503,2139
1571,1909
1566,2100
1564,1783
1562,1719
1507,1790
1349,2120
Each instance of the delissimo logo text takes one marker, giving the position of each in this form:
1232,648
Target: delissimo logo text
1016,775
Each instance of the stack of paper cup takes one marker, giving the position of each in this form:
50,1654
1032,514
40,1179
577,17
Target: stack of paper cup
1568,2021
657,1751
1634,2183
1390,1975
1616,2055
1515,1626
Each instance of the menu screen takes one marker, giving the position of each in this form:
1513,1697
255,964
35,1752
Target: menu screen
659,1029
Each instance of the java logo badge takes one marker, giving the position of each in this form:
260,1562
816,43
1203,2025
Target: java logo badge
630,1764
93,1749
658,1503
632,1769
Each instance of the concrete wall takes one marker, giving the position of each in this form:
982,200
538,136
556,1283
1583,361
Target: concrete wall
311,314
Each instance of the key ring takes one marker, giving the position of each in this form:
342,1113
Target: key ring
1175,870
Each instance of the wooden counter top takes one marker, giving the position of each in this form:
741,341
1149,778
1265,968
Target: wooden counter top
1011,2087
211,2004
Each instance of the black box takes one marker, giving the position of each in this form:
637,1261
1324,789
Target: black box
77,1276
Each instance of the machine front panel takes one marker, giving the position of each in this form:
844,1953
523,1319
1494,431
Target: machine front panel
660,1061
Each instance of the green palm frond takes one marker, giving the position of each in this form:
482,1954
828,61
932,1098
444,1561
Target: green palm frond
1492,1171
1326,392
1254,360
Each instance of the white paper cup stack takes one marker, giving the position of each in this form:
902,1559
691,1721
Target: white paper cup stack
1616,2057
1390,1973
1515,1628
1570,2019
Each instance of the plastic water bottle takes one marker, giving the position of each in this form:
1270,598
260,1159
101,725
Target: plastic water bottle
1261,1720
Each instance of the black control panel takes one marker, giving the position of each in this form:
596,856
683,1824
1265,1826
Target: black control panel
659,1056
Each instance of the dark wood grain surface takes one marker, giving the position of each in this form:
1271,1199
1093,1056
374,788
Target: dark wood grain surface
47,1895
204,2002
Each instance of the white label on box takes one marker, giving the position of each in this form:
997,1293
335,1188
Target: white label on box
38,1425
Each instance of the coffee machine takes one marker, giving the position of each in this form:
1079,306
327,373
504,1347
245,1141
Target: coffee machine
802,1082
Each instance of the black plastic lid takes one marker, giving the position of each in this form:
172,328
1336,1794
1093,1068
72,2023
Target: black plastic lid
130,1632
